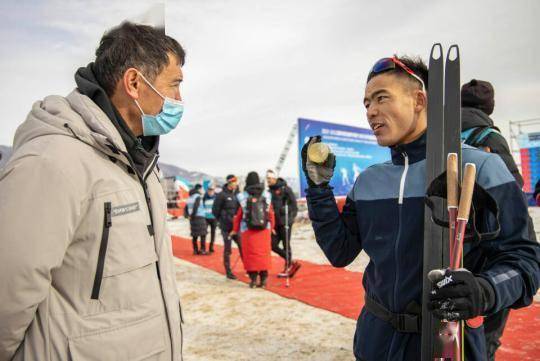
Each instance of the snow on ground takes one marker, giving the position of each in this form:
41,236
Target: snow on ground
226,320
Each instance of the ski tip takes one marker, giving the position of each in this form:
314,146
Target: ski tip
436,51
453,53
452,155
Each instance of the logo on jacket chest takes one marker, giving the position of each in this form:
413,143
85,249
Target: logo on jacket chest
125,209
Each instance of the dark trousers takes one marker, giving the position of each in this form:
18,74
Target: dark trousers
227,249
280,238
195,245
493,329
213,225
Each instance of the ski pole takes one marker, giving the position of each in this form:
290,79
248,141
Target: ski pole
449,333
451,330
287,261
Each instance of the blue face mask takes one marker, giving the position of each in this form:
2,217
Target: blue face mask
164,121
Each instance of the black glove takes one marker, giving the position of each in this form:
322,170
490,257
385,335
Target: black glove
459,295
317,175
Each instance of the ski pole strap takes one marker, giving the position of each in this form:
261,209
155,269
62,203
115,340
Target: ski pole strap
483,207
402,322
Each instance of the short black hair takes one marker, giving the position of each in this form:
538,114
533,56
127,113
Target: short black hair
133,45
416,64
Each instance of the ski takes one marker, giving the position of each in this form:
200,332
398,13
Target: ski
443,138
433,234
452,149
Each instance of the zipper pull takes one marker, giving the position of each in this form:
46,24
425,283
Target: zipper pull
108,217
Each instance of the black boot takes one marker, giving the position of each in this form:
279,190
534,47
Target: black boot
263,275
195,246
253,279
230,275
203,245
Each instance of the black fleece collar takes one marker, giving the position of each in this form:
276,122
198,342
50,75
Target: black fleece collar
141,150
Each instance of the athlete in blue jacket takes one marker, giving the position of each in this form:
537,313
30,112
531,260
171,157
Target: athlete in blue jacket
384,216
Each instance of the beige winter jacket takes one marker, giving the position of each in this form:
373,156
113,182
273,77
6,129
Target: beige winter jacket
82,275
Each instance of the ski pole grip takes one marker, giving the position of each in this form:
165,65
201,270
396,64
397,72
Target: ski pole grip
452,183
467,191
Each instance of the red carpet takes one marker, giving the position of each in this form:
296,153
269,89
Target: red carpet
340,291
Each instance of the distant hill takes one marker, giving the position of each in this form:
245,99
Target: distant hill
170,170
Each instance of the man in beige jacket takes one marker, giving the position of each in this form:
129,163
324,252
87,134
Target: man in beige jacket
86,266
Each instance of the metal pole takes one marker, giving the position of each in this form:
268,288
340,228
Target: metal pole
287,260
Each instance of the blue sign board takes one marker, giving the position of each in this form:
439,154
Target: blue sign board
355,150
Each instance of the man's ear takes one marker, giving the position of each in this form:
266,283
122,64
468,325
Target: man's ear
420,101
131,82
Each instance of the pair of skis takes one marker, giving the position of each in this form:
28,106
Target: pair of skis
443,340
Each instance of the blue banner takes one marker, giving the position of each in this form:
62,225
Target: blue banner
355,150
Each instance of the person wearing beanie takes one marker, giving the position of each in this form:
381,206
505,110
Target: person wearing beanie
197,219
224,208
283,199
254,221
478,130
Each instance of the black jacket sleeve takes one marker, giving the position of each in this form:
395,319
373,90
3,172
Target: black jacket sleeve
336,233
218,204
498,145
292,203
512,260
196,206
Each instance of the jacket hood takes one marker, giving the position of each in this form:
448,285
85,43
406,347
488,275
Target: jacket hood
74,116
472,117
255,189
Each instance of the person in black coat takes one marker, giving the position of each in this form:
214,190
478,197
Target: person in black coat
224,209
478,102
283,196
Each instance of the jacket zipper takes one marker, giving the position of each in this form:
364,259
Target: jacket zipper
107,223
400,206
142,180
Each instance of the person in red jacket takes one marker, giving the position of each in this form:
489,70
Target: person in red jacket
254,221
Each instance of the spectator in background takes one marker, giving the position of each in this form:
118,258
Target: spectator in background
479,131
208,202
282,197
197,219
254,221
224,209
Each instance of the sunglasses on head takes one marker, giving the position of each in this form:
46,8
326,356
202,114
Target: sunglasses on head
385,64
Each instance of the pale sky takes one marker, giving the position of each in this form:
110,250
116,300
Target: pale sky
253,67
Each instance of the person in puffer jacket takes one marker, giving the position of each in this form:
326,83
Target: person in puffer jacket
91,276
384,216
197,219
